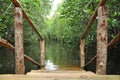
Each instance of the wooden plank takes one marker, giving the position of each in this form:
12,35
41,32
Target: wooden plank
102,2
6,44
102,40
17,4
19,49
42,51
60,75
82,54
81,77
22,77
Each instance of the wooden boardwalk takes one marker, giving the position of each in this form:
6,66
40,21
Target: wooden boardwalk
59,75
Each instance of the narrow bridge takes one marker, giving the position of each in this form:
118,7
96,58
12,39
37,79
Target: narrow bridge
102,13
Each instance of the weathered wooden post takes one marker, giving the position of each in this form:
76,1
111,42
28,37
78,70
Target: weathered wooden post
19,50
42,51
82,54
102,40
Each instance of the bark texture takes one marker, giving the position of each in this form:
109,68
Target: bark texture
42,50
102,40
19,50
82,54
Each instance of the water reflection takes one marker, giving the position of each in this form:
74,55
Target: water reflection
62,56
50,66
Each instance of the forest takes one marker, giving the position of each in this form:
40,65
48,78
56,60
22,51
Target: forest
66,27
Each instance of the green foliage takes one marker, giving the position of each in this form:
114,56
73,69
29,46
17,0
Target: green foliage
69,25
71,19
114,16
36,11
6,20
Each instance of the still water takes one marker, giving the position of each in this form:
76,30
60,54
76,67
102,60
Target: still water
50,66
59,56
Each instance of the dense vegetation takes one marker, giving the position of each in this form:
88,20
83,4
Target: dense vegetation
66,26
36,10
71,19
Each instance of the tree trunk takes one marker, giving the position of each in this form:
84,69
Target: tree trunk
82,54
102,40
19,50
42,50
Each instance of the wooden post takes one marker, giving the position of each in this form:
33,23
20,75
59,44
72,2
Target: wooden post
19,50
42,51
102,40
82,54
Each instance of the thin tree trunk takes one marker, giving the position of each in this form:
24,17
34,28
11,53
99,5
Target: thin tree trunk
102,40
42,50
82,54
19,50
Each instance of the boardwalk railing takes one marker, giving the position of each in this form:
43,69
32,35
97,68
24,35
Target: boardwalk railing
101,56
19,49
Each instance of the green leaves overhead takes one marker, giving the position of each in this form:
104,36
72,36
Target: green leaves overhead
36,10
6,19
74,15
69,25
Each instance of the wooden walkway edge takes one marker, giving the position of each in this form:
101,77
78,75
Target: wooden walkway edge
24,77
59,75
